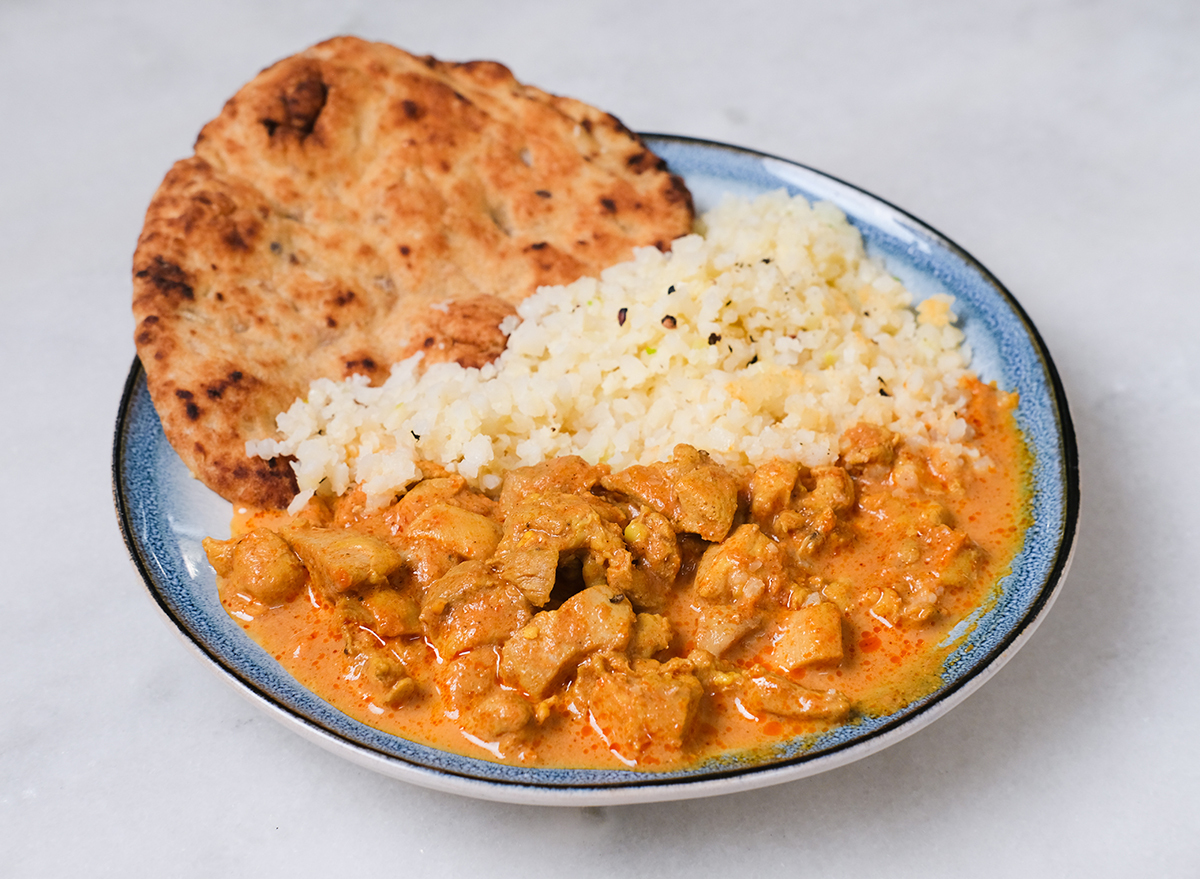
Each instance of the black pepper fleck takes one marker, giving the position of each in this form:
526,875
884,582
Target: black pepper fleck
621,315
713,338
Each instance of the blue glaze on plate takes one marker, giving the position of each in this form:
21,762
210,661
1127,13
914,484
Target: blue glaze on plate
164,514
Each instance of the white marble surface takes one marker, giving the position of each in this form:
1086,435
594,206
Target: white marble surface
1055,141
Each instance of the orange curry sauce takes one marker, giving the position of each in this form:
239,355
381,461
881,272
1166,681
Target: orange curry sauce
921,546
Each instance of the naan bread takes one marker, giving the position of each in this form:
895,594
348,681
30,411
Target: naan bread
354,204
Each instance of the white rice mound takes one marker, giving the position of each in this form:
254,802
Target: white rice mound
766,335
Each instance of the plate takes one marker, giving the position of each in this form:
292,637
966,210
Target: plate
164,514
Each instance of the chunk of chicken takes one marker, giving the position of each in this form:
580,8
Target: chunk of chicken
471,607
814,517
742,569
567,475
472,695
538,533
462,579
834,489
651,635
932,556
694,492
767,693
952,556
462,532
451,489
656,559
864,445
643,711
260,565
393,613
546,651
760,692
807,636
398,686
771,488
339,560
721,626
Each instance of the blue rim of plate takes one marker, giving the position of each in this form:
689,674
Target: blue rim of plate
163,514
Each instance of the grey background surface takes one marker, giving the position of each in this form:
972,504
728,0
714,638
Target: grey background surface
1055,141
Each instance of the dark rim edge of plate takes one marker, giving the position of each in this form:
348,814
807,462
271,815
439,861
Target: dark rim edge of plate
1069,471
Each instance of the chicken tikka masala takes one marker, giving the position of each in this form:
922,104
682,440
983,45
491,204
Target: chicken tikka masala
650,617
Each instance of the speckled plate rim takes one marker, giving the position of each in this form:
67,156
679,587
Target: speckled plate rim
163,543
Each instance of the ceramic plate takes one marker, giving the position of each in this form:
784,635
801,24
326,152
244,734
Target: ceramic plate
164,514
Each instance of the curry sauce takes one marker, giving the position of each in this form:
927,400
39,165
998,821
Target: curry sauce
648,618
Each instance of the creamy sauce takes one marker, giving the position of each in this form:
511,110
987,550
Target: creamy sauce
898,599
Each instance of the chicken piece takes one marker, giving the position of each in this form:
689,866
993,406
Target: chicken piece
349,508
460,531
834,490
708,494
771,489
483,616
721,626
398,686
760,692
393,613
886,605
537,534
220,554
864,445
471,607
694,492
450,489
544,653
425,561
568,474
651,634
472,695
386,676
952,556
340,560
533,570
656,560
644,712
948,559
742,569
260,565
807,636
807,526
463,578
766,693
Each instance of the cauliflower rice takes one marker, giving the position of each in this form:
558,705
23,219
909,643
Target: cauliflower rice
765,336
